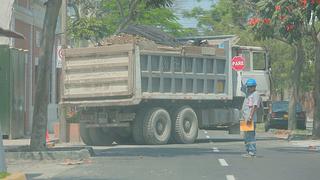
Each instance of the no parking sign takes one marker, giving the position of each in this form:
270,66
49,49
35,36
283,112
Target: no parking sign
60,55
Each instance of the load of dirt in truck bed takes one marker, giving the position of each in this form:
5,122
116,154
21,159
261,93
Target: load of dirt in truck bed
124,38
151,38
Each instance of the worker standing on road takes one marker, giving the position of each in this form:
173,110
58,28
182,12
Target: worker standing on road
249,113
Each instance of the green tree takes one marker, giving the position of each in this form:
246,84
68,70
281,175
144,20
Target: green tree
223,17
231,17
107,17
311,12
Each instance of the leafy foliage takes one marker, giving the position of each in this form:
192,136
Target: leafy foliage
278,19
95,19
259,22
158,3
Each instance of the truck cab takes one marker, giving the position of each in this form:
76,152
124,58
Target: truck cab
257,66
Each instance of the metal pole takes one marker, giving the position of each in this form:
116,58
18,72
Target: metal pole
3,167
63,123
64,23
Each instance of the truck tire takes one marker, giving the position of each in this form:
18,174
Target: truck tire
185,129
100,137
84,134
157,126
137,127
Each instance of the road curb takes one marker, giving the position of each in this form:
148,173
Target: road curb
49,155
297,137
16,176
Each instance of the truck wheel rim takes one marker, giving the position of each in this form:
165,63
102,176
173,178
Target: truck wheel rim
160,126
187,125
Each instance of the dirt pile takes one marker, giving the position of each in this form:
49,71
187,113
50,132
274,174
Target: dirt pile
124,38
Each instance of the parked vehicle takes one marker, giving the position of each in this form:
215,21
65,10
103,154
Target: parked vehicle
278,116
152,95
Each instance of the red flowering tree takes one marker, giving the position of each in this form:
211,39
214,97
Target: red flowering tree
290,21
282,20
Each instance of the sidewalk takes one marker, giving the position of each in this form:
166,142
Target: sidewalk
306,143
46,168
16,143
18,149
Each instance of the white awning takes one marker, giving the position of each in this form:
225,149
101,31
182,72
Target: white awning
5,14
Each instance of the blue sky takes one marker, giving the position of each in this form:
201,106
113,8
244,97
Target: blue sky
183,5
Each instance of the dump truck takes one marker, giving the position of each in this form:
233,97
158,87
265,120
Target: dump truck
128,93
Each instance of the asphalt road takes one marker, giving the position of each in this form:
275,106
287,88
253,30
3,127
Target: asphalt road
215,156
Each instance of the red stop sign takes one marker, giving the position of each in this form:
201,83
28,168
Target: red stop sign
237,63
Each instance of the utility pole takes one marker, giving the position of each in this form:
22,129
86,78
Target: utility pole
63,122
3,167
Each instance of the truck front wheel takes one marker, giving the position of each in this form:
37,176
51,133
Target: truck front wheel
157,126
185,125
137,127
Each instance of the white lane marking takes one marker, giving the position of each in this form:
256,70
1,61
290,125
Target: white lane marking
223,162
206,132
230,177
214,149
208,137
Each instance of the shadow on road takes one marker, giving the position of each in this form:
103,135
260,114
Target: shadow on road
33,175
153,152
158,152
294,150
234,139
85,178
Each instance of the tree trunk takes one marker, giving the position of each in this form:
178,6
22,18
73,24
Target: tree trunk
132,14
316,117
40,117
298,67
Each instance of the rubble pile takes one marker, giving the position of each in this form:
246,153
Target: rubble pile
124,38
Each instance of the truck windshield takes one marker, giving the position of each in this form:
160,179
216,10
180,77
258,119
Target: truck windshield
247,65
259,60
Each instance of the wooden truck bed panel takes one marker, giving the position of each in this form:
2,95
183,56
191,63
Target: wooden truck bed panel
98,72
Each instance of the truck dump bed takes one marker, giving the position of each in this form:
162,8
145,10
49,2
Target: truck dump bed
125,74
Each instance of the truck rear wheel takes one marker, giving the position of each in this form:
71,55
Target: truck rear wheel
185,126
99,137
84,133
157,126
